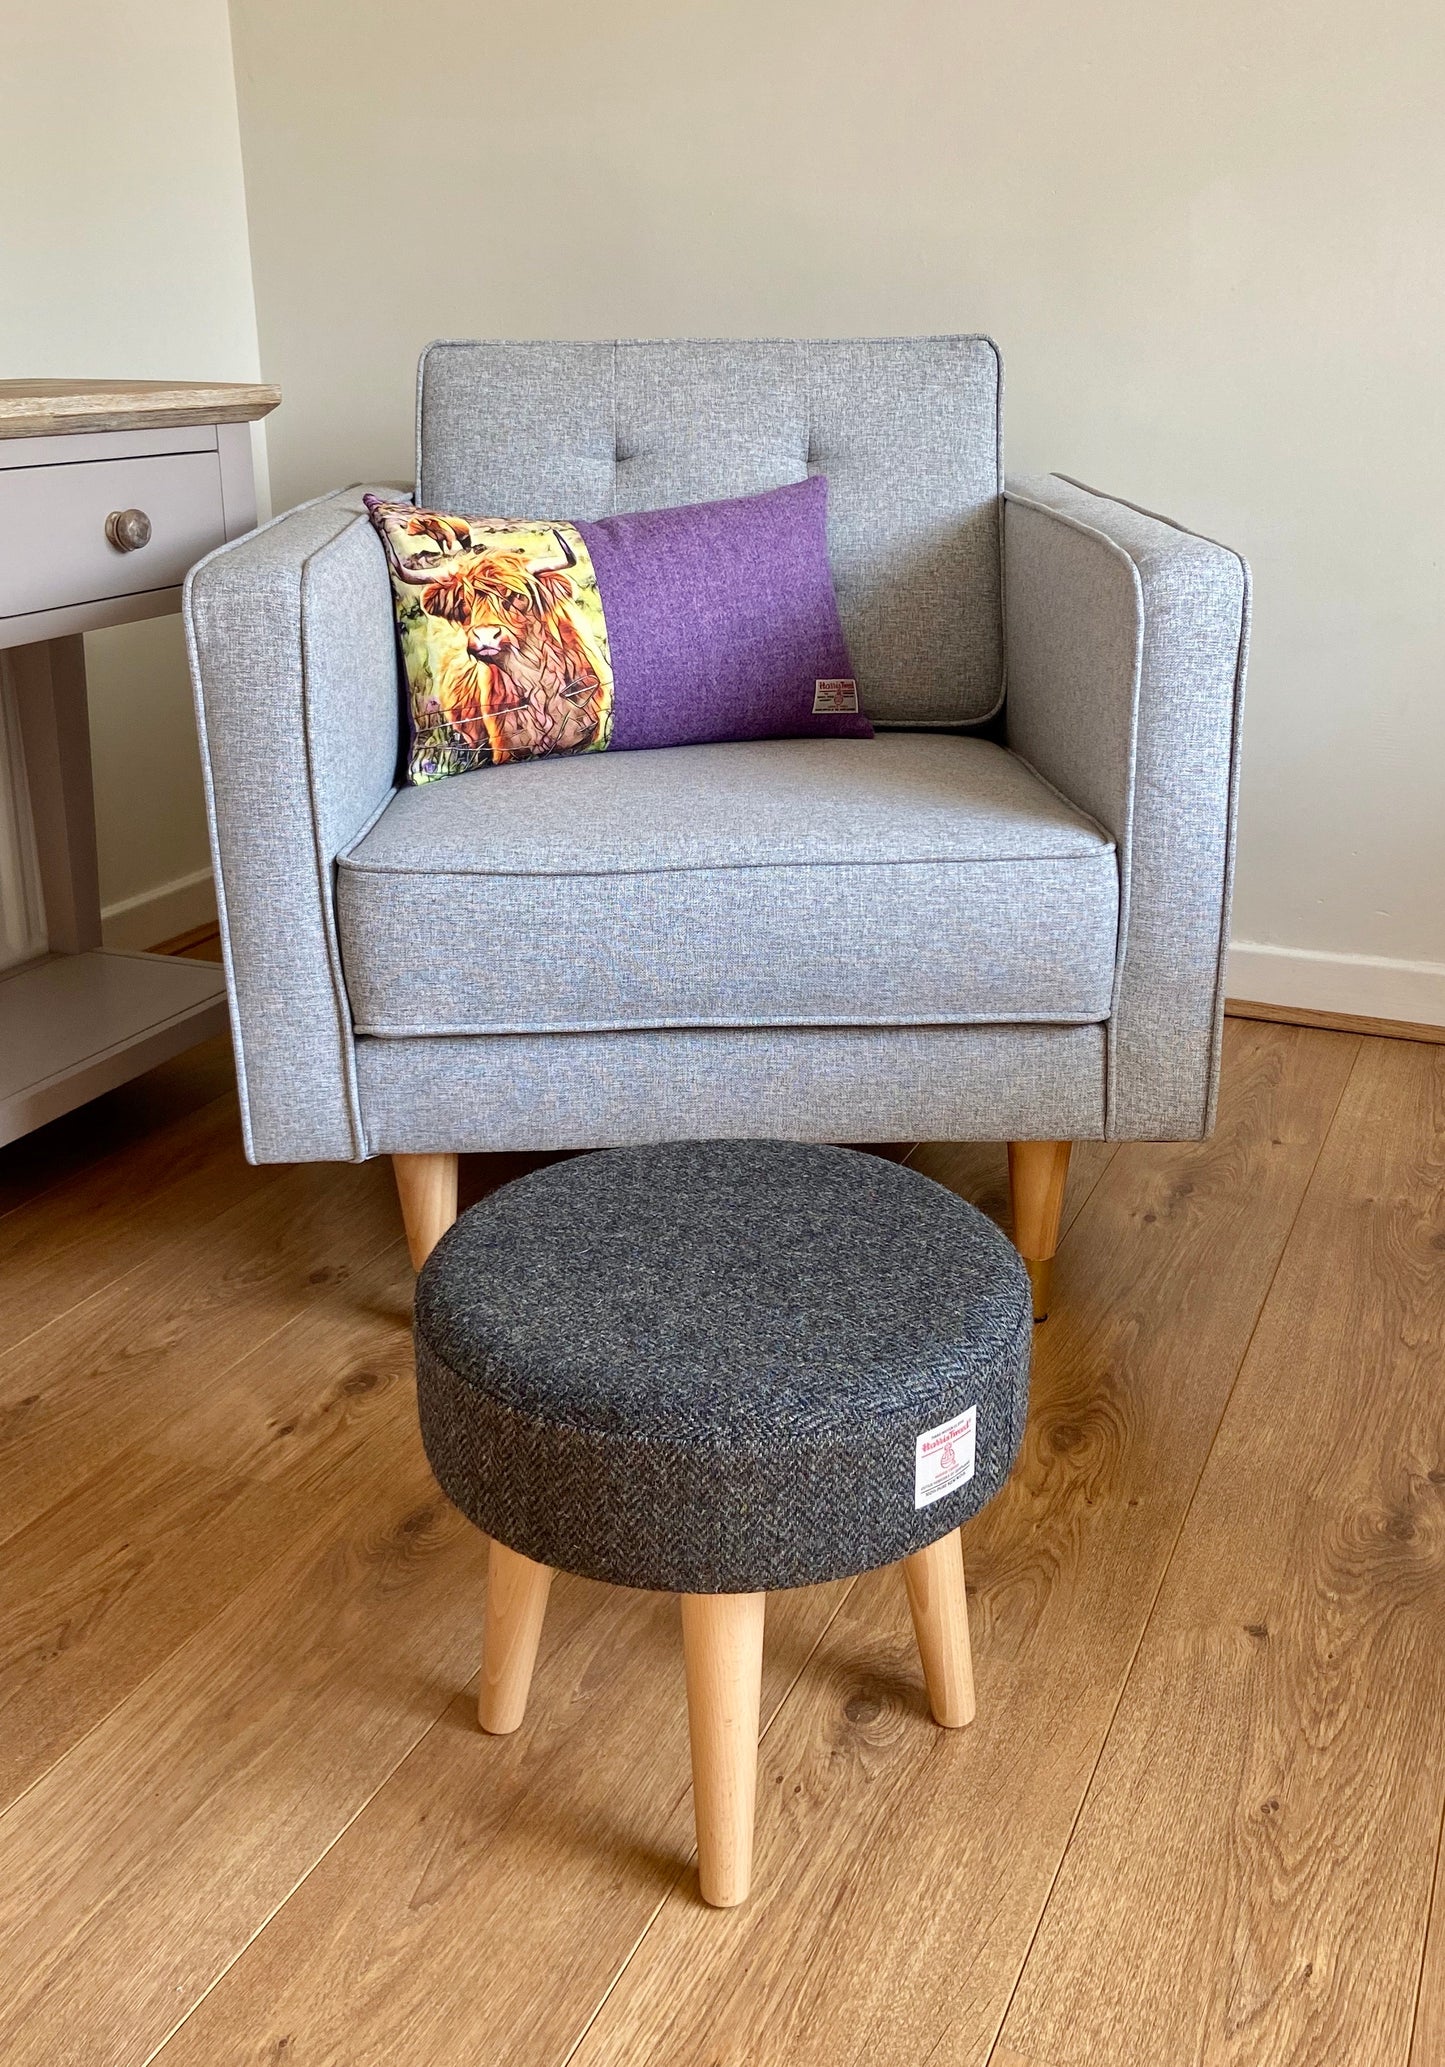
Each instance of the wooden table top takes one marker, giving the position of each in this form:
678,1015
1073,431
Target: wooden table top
40,408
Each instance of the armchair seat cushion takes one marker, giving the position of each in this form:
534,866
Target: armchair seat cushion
911,879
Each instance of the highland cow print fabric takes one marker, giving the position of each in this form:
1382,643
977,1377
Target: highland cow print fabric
522,638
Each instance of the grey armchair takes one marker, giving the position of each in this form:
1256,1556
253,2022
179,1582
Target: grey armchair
1004,918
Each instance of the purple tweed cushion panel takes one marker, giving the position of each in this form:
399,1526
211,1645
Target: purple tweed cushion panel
674,627
723,619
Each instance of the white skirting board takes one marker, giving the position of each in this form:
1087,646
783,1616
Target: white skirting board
1363,986
156,915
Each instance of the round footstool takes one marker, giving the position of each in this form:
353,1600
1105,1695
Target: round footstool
715,1369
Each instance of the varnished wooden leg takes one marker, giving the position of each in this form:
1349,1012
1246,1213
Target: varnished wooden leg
428,1189
516,1602
1037,1174
934,1578
722,1643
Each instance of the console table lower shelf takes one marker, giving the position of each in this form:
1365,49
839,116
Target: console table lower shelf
72,1026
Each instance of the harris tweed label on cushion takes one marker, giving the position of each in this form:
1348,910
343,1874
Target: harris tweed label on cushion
832,699
713,621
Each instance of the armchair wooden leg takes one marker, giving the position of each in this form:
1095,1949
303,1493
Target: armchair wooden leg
722,1646
517,1590
428,1189
934,1579
1037,1174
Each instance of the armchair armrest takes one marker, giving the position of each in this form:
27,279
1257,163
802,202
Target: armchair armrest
1127,638
293,661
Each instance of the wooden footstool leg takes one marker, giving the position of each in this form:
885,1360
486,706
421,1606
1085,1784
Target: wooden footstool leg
516,1602
722,1645
1037,1174
934,1578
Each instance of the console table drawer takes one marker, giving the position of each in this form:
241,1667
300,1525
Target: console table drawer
54,550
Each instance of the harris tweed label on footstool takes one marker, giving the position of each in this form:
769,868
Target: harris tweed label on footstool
944,1458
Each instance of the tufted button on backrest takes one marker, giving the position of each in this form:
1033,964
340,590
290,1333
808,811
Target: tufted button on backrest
907,431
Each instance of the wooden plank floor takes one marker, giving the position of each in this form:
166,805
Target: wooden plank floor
246,1815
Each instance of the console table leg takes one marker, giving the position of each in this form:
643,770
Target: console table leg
49,678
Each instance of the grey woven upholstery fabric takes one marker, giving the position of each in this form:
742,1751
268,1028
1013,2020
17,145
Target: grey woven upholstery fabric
804,1083
1127,646
907,430
293,656
915,878
705,1368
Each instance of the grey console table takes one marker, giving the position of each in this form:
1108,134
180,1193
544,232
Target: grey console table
109,492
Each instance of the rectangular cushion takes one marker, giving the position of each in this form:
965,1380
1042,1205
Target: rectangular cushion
908,431
912,879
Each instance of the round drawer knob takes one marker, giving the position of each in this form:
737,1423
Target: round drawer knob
128,530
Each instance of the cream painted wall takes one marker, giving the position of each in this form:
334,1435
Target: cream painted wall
1207,238
123,252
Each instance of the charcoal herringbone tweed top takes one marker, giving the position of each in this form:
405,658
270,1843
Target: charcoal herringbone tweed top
722,1366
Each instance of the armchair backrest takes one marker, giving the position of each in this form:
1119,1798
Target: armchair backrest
908,431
